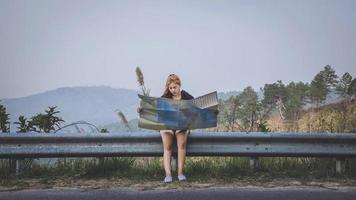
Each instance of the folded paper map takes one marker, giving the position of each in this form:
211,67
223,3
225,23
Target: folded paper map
164,113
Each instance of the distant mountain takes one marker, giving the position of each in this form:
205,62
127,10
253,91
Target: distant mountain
96,105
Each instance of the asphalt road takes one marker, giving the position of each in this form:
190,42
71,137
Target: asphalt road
253,193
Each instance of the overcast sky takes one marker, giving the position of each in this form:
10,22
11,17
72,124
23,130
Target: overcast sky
212,45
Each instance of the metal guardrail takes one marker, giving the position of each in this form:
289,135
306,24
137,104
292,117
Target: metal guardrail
39,145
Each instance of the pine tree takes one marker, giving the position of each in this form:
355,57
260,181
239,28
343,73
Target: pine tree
344,84
352,89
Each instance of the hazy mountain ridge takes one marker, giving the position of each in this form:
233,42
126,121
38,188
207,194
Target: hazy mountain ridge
96,105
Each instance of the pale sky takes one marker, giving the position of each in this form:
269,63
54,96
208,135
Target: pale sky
212,45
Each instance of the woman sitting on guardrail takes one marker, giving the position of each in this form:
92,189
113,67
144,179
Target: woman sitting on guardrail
173,91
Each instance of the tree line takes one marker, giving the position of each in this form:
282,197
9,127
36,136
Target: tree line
250,112
41,122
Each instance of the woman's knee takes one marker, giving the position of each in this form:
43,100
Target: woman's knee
182,144
167,147
167,139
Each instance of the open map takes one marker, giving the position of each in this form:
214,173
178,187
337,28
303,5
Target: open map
164,113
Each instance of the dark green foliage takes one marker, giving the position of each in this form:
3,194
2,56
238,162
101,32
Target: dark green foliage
227,112
344,83
329,76
46,122
274,95
343,87
4,120
273,91
262,127
246,112
321,85
297,95
24,125
318,89
248,108
240,112
288,100
352,88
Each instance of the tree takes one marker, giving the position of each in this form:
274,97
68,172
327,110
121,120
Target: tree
329,76
318,89
322,84
343,88
24,125
227,113
297,94
240,112
46,122
5,128
288,100
274,96
4,120
343,85
247,111
352,89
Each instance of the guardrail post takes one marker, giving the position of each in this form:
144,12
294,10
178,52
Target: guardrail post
13,165
340,165
253,163
17,172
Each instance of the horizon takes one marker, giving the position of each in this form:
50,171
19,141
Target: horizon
97,86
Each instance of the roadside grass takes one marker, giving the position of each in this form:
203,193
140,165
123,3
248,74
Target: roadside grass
198,169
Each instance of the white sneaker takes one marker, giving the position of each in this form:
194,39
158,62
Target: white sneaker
168,179
182,178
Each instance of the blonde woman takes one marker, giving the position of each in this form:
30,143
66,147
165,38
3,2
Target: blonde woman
173,91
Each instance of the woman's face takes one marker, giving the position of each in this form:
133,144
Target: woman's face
174,89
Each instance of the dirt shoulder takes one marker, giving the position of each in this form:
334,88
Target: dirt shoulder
110,183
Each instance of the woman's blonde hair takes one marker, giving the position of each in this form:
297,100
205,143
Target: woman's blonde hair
172,78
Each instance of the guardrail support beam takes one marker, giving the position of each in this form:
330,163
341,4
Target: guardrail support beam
253,163
340,165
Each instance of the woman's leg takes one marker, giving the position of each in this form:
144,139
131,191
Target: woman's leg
181,144
167,139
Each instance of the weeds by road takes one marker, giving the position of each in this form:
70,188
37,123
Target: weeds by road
147,173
